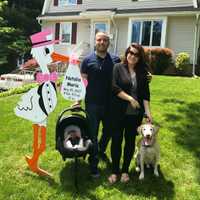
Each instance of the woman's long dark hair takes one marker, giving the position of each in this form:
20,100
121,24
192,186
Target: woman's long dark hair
141,65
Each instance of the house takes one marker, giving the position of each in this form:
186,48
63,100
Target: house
174,24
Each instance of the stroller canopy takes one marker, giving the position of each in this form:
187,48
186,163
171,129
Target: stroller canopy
72,133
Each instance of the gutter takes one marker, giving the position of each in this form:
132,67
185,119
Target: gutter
116,33
195,44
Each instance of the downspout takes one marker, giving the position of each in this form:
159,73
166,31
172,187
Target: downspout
116,34
195,44
92,35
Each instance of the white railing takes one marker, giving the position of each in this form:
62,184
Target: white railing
16,79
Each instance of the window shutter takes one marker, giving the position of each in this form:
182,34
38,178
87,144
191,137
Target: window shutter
57,31
55,2
74,33
79,1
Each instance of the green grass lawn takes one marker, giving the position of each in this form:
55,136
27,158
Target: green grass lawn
175,105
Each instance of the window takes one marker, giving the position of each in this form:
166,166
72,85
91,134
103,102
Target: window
67,2
101,27
136,32
157,30
147,32
66,31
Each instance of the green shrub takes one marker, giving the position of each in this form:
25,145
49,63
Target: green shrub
182,61
159,59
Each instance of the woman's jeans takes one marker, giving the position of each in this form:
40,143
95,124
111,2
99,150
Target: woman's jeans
125,128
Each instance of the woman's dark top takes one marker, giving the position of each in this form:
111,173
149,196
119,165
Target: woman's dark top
122,82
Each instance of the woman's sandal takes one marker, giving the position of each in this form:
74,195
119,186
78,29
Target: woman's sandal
112,178
124,178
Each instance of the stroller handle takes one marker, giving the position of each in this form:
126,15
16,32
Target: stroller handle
72,109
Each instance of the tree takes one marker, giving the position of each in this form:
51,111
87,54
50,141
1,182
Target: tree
17,23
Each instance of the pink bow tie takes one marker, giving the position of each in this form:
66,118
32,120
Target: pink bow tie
41,78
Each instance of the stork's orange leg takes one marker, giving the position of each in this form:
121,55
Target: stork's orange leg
41,149
35,144
43,139
37,150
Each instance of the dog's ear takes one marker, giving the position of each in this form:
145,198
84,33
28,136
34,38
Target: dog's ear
139,129
156,129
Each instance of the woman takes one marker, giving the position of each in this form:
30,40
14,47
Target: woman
130,102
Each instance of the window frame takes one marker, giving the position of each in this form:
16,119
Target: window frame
151,19
61,32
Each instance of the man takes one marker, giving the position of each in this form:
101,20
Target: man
97,69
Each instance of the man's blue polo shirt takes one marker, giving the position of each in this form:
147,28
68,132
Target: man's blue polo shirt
99,72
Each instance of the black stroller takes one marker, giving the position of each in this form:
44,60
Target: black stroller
72,135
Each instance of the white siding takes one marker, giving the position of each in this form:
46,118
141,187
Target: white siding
83,36
180,34
120,4
122,35
83,31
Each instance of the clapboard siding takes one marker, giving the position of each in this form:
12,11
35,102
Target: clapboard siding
83,31
180,34
122,35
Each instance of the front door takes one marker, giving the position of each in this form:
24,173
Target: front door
98,26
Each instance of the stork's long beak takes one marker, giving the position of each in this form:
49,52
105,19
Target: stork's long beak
58,57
